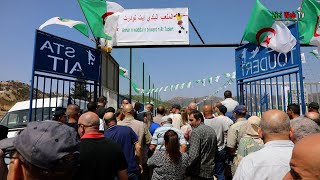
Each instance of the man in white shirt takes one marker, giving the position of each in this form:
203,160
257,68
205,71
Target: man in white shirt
272,161
229,103
176,116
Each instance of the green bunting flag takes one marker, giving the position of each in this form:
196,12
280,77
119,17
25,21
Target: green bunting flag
123,72
315,53
189,84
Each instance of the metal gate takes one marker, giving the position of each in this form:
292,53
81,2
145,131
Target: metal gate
64,72
267,79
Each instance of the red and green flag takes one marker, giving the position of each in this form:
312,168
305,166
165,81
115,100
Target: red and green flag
263,30
93,10
78,25
309,24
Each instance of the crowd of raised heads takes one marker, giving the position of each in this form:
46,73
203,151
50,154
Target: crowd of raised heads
221,142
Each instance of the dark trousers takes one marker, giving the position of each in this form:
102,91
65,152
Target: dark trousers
220,164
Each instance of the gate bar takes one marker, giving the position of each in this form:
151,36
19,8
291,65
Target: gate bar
190,45
196,31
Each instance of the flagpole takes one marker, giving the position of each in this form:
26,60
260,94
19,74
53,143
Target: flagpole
96,40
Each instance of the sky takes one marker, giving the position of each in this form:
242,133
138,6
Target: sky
217,22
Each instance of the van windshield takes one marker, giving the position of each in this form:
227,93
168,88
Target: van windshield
16,119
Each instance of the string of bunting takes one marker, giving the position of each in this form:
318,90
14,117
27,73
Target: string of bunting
125,73
204,82
224,86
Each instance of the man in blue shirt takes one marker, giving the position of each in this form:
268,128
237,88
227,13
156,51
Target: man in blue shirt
127,139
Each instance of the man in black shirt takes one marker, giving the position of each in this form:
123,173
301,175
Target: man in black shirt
100,158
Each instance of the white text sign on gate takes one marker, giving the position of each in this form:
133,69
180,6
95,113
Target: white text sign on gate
167,26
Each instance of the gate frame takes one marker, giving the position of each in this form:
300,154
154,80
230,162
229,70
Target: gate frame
97,84
275,74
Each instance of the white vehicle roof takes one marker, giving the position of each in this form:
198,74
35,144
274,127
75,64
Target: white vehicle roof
46,102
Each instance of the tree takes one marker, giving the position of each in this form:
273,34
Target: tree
79,90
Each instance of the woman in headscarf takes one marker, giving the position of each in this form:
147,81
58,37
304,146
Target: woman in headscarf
251,141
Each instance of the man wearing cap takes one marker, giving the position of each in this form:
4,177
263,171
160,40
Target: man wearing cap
100,158
157,142
43,150
127,139
59,115
236,132
176,116
220,125
313,107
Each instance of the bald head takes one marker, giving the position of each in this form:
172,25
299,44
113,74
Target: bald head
110,117
305,159
73,111
127,110
89,119
275,124
192,106
161,110
314,116
207,111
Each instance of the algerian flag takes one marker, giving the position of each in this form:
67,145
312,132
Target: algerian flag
182,85
160,89
233,75
309,24
262,28
189,84
135,87
210,80
177,87
315,53
110,19
123,72
78,25
228,75
217,78
203,82
93,11
165,89
303,58
280,38
171,87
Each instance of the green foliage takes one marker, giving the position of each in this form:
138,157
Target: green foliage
79,90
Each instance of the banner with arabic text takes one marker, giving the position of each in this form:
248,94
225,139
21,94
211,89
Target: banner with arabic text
153,27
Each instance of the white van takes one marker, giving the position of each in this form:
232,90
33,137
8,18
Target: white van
17,117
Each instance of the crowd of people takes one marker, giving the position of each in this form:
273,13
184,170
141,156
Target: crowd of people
221,142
